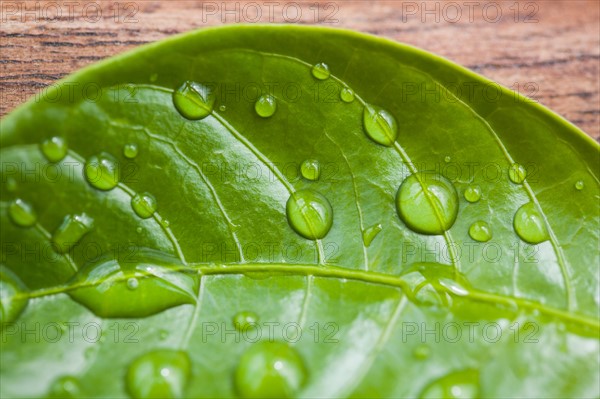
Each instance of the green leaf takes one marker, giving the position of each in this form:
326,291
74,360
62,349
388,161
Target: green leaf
396,225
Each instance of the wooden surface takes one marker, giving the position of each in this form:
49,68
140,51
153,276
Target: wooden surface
548,49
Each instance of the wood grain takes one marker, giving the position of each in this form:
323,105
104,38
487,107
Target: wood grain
548,49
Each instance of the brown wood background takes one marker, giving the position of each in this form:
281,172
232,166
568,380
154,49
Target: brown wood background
549,50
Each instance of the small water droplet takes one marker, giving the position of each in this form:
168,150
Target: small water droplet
458,385
193,100
447,158
270,370
144,205
130,150
153,77
162,373
22,213
163,334
265,106
223,108
579,185
320,71
517,173
71,230
422,352
11,184
427,203
65,387
369,234
132,283
309,213
102,171
529,224
165,223
380,126
243,321
311,169
473,193
13,295
480,231
138,229
347,95
54,149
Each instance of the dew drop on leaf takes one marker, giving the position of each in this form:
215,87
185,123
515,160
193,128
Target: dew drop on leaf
65,387
311,169
427,203
347,95
265,106
71,230
54,149
309,213
102,171
458,385
130,150
270,370
380,126
165,223
369,234
163,373
245,320
163,334
480,231
223,108
13,295
193,100
22,213
144,205
132,283
529,224
517,173
447,158
320,71
579,185
473,193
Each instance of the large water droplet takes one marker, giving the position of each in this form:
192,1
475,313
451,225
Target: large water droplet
265,106
309,213
427,203
380,125
130,150
162,283
193,100
65,387
270,370
347,95
54,149
102,171
517,173
458,385
434,284
473,193
163,373
22,213
245,320
480,231
311,169
369,234
579,185
71,230
13,295
529,224
320,71
144,205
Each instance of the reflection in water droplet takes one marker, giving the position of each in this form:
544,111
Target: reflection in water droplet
71,230
130,150
270,370
473,193
54,149
265,106
458,385
480,231
22,213
243,321
320,71
530,225
380,126
102,171
427,203
162,373
579,185
132,283
347,95
517,173
13,295
193,100
309,214
144,205
65,387
422,352
311,169
369,234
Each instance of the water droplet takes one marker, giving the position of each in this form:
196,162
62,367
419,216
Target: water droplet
163,334
422,352
22,213
163,373
270,370
517,173
104,287
311,169
144,205
65,387
347,95
71,230
433,284
380,125
369,234
132,283
480,231
153,77
54,149
427,203
458,385
138,229
473,193
11,184
102,171
243,321
130,150
265,106
193,100
320,71
165,223
13,295
579,185
309,213
447,158
529,224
